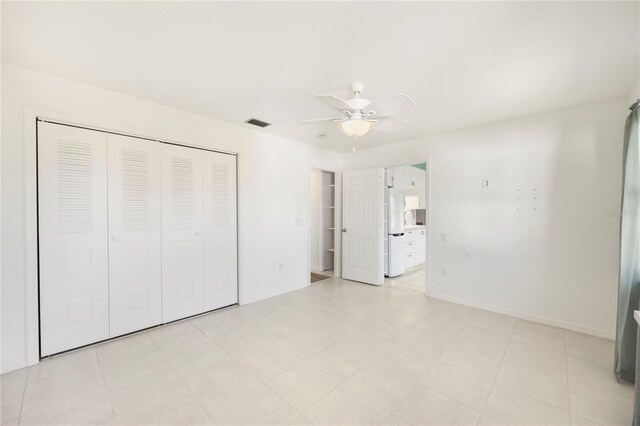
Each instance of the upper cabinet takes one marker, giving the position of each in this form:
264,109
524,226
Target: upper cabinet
413,176
411,180
388,177
418,181
398,178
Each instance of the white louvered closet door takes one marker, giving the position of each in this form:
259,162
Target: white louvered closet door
182,240
135,300
220,236
73,252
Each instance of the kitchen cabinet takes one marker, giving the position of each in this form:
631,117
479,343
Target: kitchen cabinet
414,247
413,177
399,177
388,177
421,246
411,180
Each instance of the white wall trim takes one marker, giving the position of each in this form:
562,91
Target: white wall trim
32,328
30,116
427,223
12,365
273,294
525,316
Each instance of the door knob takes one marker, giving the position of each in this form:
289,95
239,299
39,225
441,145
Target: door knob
344,229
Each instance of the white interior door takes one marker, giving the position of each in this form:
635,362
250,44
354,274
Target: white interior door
362,226
135,275
219,226
182,233
73,251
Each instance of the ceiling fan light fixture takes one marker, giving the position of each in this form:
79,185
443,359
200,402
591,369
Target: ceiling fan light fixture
359,115
354,128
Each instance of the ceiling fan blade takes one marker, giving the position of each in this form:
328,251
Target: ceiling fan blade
393,121
334,102
391,124
381,127
390,105
323,120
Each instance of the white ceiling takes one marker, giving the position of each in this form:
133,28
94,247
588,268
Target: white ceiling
464,63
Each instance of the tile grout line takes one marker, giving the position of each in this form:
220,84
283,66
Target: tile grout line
535,397
237,360
554,378
547,376
24,391
265,383
437,359
301,413
340,382
566,359
104,382
493,383
69,398
179,375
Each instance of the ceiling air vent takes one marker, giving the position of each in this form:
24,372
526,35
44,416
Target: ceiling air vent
257,122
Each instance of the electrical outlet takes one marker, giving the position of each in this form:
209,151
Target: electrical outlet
274,266
280,266
443,237
443,271
485,183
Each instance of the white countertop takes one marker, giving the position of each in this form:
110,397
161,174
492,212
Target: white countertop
413,227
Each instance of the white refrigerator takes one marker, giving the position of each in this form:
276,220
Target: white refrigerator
395,217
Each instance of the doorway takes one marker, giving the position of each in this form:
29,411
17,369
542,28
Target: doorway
322,225
385,226
406,226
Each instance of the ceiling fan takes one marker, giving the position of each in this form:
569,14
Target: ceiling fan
360,115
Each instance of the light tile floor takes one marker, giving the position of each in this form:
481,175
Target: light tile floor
336,352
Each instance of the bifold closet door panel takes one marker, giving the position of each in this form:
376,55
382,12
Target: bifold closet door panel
72,225
182,240
135,267
220,236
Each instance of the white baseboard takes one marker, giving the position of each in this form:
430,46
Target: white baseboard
271,294
525,316
16,364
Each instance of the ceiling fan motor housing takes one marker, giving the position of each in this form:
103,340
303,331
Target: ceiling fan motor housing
358,103
356,87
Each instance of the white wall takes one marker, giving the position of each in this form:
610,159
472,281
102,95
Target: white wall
634,94
273,184
557,264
